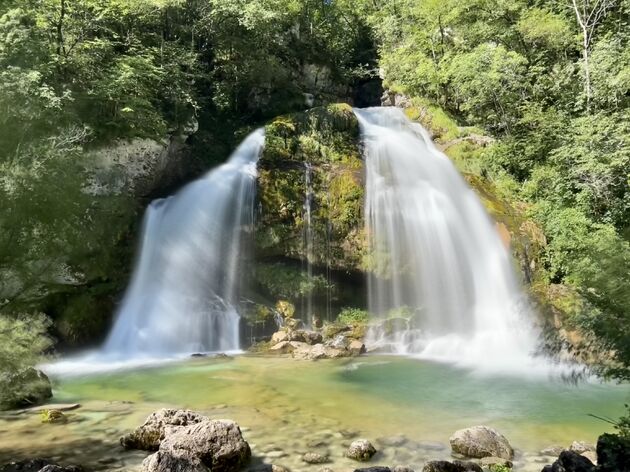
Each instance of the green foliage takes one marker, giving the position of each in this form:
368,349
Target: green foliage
353,316
285,281
23,340
555,98
500,468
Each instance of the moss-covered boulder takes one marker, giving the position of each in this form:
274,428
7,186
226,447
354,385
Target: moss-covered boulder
311,169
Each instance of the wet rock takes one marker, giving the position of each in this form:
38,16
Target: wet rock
283,347
279,336
570,461
308,337
268,468
377,468
356,348
392,441
553,451
361,450
613,453
218,443
455,466
315,458
402,468
348,433
170,461
493,461
149,436
37,465
581,447
481,441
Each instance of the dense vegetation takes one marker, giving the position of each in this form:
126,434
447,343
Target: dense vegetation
550,81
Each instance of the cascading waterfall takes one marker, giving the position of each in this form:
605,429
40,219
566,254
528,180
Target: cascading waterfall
184,290
440,271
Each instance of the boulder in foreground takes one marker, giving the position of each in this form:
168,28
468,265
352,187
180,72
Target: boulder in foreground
187,441
481,441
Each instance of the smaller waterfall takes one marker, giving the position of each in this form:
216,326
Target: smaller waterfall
442,280
183,293
308,237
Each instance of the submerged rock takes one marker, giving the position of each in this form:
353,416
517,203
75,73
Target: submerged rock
361,450
455,466
377,468
149,436
571,461
481,441
315,458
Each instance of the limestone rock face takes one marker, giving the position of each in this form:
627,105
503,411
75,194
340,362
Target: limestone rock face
361,450
149,436
481,441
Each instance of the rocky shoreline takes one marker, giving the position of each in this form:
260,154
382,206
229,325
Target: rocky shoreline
187,441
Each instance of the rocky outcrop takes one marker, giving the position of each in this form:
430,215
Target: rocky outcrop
481,441
312,345
188,441
361,450
570,461
149,435
218,443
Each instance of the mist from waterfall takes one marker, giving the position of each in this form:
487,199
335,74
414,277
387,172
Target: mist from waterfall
184,289
441,278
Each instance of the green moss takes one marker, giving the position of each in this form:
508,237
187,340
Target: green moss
442,126
281,280
327,140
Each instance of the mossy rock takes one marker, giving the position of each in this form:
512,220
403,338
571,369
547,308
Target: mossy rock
323,142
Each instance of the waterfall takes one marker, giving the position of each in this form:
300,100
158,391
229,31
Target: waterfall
183,293
308,238
441,278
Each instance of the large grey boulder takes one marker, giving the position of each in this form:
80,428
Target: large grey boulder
481,441
149,436
168,461
218,443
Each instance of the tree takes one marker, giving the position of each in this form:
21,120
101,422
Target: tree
589,15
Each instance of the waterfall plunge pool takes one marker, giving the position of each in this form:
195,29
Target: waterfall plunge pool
287,407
